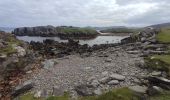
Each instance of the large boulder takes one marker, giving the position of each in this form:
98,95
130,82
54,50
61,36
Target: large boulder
138,89
84,90
20,89
117,77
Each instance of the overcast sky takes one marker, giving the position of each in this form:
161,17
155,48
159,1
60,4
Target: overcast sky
16,13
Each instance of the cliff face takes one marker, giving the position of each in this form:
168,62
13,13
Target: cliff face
62,31
35,31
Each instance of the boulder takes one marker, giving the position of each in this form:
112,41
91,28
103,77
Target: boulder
105,73
108,60
113,82
22,88
160,81
138,89
104,80
57,91
98,91
41,94
84,90
156,73
3,57
154,90
48,64
21,52
95,83
117,77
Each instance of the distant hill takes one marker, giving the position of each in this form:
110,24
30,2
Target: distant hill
105,28
160,25
7,29
121,30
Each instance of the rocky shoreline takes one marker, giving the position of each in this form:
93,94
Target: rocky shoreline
54,68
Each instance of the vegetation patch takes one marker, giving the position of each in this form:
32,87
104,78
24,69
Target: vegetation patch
162,96
121,30
164,35
30,96
159,62
116,94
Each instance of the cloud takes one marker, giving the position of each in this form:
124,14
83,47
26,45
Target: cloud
16,13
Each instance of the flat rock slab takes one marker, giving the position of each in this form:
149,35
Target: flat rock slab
138,89
117,77
22,88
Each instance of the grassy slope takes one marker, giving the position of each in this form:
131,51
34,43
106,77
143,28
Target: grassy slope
121,30
10,40
116,94
164,35
77,30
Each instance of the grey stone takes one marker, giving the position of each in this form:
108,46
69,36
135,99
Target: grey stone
95,83
87,68
23,88
154,90
108,60
105,73
48,64
41,94
104,80
138,89
20,51
113,82
133,52
57,91
155,73
37,94
117,77
84,90
3,56
98,91
160,81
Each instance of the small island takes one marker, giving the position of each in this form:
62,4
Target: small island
63,32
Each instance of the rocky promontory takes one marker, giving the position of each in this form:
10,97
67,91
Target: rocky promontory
61,31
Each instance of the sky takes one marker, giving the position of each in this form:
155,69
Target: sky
19,13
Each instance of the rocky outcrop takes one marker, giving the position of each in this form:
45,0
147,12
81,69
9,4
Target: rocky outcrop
62,32
148,34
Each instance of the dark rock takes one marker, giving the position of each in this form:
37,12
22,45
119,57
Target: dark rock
22,88
84,90
154,90
160,81
57,91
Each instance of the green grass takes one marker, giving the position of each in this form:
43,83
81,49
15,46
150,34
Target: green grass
7,50
164,35
116,94
76,31
30,96
162,96
10,40
159,62
164,58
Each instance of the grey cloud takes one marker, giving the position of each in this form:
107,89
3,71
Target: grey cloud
83,12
